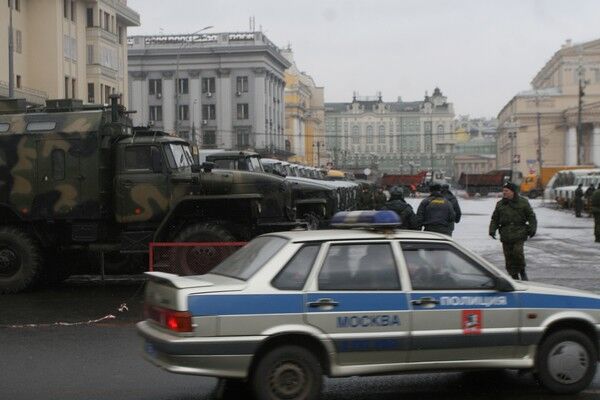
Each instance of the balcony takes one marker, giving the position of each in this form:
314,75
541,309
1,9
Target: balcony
32,96
95,33
126,15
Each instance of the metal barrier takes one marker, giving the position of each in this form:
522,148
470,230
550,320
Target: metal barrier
189,258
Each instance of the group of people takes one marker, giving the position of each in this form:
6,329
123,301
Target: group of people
591,198
513,217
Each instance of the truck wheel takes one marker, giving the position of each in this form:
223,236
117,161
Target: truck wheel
566,362
19,260
199,259
288,372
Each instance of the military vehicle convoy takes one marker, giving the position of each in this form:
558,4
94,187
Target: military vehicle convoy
79,178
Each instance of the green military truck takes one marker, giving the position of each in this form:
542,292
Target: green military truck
78,178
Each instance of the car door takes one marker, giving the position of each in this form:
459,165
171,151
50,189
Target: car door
457,314
356,299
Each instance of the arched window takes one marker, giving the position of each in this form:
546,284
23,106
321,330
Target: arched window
355,135
381,133
369,134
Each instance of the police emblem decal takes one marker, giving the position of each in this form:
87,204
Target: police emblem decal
472,322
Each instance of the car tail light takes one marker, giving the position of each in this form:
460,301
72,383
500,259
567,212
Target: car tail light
177,321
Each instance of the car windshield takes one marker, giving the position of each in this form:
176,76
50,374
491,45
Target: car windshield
246,261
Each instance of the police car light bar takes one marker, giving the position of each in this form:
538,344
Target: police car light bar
365,219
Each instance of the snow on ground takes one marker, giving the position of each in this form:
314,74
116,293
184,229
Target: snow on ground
563,252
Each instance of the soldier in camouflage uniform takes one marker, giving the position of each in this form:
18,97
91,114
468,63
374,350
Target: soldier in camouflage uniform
595,203
516,221
408,219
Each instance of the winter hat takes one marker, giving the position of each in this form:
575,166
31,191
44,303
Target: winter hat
511,186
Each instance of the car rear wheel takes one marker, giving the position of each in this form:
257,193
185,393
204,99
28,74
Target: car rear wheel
566,362
288,372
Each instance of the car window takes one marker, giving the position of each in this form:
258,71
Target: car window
359,267
138,157
246,261
294,274
225,164
434,266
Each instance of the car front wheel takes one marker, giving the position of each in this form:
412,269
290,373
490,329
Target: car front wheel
288,372
566,362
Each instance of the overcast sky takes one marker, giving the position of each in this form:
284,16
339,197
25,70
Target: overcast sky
480,52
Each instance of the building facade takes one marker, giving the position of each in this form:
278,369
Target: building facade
391,136
541,124
473,164
66,49
304,116
219,90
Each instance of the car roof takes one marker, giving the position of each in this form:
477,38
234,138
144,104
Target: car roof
357,234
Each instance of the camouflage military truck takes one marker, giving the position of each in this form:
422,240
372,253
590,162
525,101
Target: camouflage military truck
315,202
75,177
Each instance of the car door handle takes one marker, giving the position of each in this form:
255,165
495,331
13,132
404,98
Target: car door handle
323,303
424,301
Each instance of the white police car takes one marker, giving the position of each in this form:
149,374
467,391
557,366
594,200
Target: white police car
290,307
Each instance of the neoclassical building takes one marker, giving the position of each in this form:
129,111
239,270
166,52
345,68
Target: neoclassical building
553,101
395,136
219,90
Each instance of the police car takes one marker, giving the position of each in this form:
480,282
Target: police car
290,307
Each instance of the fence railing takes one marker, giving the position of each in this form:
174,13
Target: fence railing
189,258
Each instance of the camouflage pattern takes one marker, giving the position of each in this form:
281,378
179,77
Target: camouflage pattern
595,209
514,257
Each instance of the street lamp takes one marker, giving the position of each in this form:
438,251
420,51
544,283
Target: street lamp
318,145
177,78
512,136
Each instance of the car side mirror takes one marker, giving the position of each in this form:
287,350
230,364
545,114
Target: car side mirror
157,164
503,285
208,166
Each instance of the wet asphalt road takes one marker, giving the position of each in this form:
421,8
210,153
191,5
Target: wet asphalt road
78,341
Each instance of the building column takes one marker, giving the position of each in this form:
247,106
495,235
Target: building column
195,106
138,98
596,145
260,100
168,106
571,146
224,112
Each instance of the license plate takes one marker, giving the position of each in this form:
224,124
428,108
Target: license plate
149,349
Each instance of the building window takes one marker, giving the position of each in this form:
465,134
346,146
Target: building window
90,17
73,88
18,81
91,93
90,53
208,85
66,87
155,87
381,134
209,111
182,86
19,41
243,111
243,137
184,112
17,4
209,139
369,134
440,129
106,21
242,84
355,135
155,113
107,93
73,13
66,5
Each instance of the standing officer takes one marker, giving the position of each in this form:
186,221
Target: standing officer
596,212
578,201
408,219
435,213
379,198
454,201
515,220
588,198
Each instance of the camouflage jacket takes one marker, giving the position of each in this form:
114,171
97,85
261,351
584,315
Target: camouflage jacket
514,219
596,202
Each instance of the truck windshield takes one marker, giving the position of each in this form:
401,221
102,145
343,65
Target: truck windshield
246,261
179,155
256,165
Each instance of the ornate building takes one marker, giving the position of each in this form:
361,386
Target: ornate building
545,119
391,136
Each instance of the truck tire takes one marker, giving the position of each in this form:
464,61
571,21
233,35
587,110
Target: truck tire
287,372
19,260
200,260
566,362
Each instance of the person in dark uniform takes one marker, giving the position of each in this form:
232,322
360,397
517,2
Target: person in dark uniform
408,219
435,213
454,201
595,208
379,198
578,201
514,218
588,198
